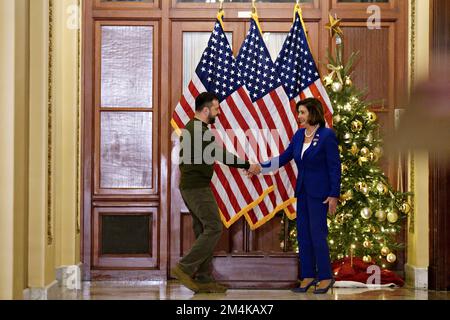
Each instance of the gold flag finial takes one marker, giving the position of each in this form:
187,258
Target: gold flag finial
254,10
335,27
297,8
221,13
256,19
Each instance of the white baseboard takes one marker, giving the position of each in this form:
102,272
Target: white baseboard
67,277
41,293
416,277
26,294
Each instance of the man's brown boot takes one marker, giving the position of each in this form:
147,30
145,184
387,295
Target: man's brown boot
185,279
211,287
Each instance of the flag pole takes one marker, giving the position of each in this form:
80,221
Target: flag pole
255,16
298,9
221,13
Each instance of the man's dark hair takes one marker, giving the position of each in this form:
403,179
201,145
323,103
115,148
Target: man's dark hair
204,99
315,109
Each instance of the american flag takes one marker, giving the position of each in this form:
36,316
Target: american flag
270,100
218,72
298,70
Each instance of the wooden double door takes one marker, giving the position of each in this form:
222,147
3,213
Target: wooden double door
137,58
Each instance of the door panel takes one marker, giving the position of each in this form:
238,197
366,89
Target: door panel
125,238
123,152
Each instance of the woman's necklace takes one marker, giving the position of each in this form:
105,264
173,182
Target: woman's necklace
314,131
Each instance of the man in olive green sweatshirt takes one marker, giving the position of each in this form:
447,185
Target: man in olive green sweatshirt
197,156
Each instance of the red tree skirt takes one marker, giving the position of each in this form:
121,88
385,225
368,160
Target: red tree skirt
343,271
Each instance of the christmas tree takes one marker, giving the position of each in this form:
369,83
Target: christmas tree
370,211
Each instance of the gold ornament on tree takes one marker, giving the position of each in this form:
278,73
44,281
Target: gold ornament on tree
356,126
380,215
354,150
367,244
340,218
336,87
367,259
337,118
366,213
385,251
348,137
369,137
348,195
360,185
405,208
362,160
378,152
365,191
381,188
370,229
392,216
344,168
391,257
376,157
365,151
372,157
348,81
371,116
328,80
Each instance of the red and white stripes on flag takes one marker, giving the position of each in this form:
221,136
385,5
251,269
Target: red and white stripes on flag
273,106
255,95
217,72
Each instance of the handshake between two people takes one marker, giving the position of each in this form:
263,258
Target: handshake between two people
254,170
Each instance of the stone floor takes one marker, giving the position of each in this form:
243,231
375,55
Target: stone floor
172,290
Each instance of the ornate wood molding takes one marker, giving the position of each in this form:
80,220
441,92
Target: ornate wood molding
50,124
78,190
412,53
412,59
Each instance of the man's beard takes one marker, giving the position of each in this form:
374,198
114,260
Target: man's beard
211,120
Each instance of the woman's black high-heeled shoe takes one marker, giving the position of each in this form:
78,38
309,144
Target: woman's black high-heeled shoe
304,289
325,290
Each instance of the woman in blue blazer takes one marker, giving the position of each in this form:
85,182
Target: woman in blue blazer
315,151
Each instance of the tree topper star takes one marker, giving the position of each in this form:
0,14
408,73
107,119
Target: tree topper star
335,27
